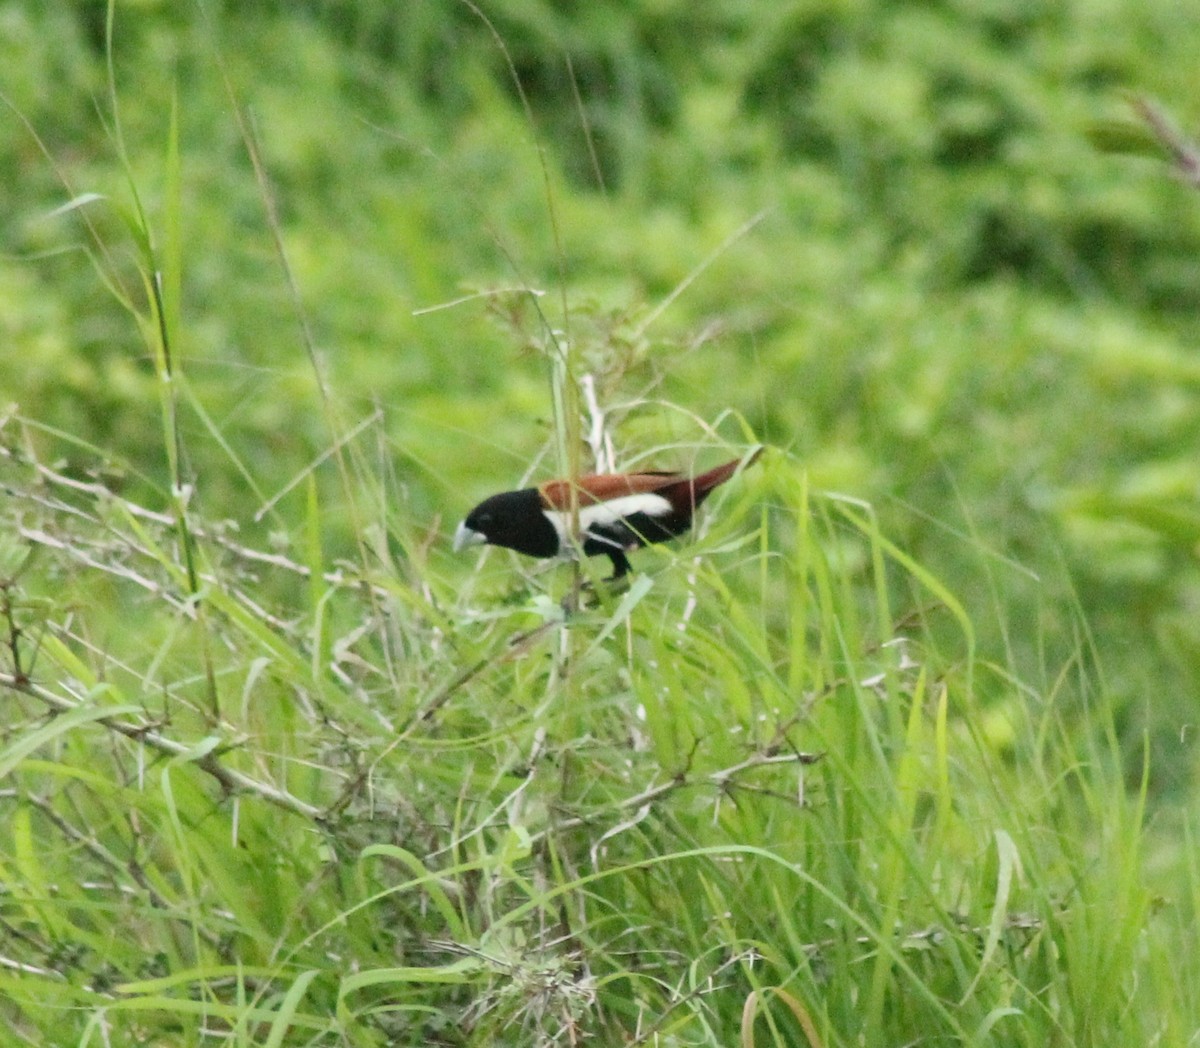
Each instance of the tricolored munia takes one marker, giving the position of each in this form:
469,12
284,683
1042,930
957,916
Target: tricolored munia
618,512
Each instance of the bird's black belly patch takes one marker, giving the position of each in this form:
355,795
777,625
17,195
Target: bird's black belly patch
638,529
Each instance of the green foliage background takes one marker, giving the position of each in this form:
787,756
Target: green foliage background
890,239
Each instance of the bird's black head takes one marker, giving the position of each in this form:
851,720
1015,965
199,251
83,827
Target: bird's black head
513,519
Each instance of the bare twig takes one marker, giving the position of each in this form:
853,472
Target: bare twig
599,438
1183,151
231,781
721,779
43,538
104,495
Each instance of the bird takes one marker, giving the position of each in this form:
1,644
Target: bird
618,513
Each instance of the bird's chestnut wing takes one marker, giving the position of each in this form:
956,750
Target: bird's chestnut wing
595,488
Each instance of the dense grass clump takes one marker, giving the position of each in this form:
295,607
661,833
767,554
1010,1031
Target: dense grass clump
399,806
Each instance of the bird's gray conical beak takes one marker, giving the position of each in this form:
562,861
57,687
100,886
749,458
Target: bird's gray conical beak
464,537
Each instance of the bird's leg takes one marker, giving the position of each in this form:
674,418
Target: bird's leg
620,563
591,596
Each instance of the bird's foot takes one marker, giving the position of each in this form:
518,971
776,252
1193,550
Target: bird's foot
588,595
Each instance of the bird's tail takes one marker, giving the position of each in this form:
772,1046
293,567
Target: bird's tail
705,482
